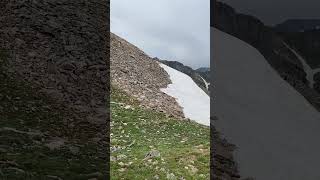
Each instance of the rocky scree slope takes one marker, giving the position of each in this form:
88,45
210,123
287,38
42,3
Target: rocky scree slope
54,50
39,138
269,43
60,47
223,165
138,75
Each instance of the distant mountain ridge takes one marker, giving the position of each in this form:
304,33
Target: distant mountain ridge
203,69
298,25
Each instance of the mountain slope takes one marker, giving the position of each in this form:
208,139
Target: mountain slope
195,102
270,44
151,137
156,85
205,73
199,77
269,121
140,76
183,147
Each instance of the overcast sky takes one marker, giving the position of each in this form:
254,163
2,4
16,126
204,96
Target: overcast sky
276,11
176,30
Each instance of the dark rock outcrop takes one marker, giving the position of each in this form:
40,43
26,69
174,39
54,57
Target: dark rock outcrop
255,33
223,165
317,82
244,27
205,74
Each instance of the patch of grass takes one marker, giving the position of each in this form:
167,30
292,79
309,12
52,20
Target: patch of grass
184,146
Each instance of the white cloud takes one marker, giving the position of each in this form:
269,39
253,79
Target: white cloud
177,30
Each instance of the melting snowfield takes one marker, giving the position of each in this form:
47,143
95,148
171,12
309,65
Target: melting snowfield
275,129
194,101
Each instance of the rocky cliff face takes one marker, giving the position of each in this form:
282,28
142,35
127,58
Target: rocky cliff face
244,27
270,44
141,77
60,47
254,32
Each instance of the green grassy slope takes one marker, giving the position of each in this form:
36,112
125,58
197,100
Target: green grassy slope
184,146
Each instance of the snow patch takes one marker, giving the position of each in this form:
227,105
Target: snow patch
275,129
193,100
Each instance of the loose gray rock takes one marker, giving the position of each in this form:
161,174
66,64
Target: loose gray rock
171,176
152,154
